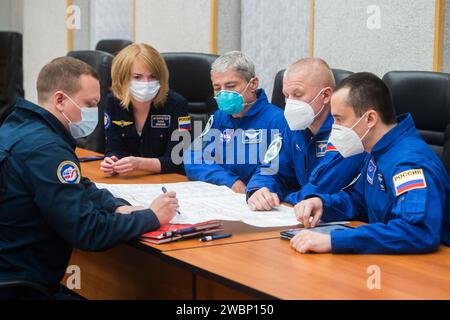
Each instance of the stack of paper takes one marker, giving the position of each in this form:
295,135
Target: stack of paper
200,201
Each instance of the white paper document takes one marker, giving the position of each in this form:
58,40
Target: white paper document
200,201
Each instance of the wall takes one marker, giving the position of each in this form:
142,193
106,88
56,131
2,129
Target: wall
111,19
229,26
347,36
274,34
44,38
174,25
446,54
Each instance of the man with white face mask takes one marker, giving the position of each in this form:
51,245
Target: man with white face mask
46,206
403,190
305,163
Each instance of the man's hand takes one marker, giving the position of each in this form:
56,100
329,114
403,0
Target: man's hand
238,187
310,241
263,200
165,207
107,165
127,165
307,209
128,209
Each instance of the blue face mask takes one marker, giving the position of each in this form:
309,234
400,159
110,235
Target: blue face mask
231,102
88,123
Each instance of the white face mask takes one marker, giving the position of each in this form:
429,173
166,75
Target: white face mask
299,114
144,91
87,124
346,140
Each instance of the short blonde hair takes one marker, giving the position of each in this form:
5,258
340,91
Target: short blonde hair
121,72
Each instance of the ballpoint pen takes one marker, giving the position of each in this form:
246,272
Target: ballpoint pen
165,191
91,158
215,237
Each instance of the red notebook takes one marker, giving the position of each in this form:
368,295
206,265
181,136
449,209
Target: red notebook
173,232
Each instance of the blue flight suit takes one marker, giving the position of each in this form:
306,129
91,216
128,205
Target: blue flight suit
306,164
234,147
47,207
122,139
403,192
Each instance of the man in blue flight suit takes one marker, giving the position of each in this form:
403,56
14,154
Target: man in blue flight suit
46,206
403,190
236,136
305,163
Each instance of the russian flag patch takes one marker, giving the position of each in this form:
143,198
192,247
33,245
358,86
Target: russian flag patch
409,180
330,147
184,123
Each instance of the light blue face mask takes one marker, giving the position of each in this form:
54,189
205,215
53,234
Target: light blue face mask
88,123
231,102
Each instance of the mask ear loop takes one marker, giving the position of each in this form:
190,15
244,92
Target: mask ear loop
323,106
76,104
246,87
367,132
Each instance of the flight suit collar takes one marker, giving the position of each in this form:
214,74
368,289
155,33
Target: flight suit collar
405,127
260,103
327,125
49,118
325,129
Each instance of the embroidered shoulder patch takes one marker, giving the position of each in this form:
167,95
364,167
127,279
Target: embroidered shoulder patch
371,169
273,150
208,126
107,120
184,123
68,172
409,180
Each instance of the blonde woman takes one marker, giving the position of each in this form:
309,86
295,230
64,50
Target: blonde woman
141,114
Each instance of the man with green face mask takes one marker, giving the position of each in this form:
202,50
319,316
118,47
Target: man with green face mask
46,206
237,135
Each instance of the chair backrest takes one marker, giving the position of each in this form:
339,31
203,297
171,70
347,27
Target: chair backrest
426,95
112,46
190,76
340,74
101,62
11,72
446,151
278,98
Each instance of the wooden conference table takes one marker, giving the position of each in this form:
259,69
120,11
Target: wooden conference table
254,263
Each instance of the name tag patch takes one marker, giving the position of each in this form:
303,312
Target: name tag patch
160,121
252,136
